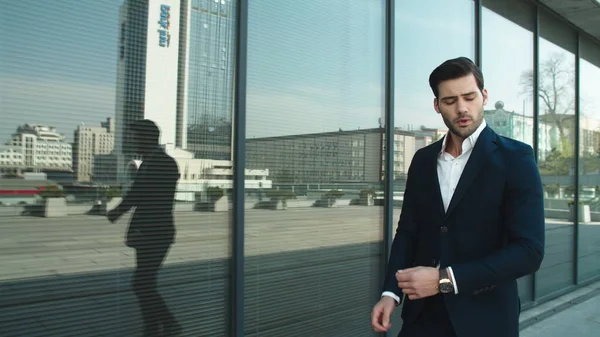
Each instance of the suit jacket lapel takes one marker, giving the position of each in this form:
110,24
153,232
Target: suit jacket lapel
483,147
433,167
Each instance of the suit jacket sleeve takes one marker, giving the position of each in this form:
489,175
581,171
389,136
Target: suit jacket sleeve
525,228
132,197
403,250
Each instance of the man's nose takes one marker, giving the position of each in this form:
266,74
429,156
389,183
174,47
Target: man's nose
461,107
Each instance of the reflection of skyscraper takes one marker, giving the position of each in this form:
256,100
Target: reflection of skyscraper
175,67
209,78
148,67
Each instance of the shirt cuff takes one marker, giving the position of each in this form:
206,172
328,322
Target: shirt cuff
453,280
392,295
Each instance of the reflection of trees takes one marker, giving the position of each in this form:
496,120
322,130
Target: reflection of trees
557,101
590,164
556,163
556,84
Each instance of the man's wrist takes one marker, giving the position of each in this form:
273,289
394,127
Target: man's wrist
392,295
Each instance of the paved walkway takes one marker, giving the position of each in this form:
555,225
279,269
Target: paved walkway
581,320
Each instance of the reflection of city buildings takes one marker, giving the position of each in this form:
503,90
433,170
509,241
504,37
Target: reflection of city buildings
175,68
185,85
344,156
208,77
147,72
198,174
105,169
510,124
425,136
517,126
589,141
90,141
35,148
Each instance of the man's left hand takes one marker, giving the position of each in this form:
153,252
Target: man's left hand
418,282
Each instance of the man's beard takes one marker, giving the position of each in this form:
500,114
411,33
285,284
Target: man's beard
464,132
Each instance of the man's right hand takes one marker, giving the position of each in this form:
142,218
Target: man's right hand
382,311
112,215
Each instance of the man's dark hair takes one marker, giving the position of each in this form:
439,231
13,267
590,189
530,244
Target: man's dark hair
145,131
453,69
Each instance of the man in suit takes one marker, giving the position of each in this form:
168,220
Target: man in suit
472,222
151,229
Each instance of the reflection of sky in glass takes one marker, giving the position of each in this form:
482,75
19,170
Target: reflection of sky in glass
58,63
312,67
507,55
589,84
427,34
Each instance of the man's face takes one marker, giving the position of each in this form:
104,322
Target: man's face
460,103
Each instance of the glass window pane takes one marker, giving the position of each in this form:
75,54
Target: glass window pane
75,75
313,181
427,33
589,161
556,139
507,53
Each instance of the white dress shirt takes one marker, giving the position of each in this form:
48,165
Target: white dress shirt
449,170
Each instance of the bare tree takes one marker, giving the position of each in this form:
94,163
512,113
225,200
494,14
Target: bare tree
556,90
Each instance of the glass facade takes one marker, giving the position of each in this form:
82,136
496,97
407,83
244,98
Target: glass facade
508,63
292,125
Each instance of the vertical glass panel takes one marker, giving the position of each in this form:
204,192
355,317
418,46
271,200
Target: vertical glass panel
313,173
589,161
556,151
75,77
507,53
427,33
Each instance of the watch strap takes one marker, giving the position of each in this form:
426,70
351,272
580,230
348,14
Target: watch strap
444,273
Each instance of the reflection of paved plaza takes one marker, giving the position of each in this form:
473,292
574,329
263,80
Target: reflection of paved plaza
58,272
56,246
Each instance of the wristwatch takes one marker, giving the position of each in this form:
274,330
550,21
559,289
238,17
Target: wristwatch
445,283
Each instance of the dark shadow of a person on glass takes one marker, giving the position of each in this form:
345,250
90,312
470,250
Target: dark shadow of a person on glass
151,229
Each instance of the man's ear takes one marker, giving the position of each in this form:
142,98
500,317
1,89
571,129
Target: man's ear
436,105
484,93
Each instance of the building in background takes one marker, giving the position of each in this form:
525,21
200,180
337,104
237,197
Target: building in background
147,72
520,127
35,148
208,45
90,141
175,67
329,157
105,169
197,174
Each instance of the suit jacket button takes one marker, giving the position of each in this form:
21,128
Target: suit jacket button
444,229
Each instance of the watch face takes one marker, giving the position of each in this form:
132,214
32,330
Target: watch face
446,288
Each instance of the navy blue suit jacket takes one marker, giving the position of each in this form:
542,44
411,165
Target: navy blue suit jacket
492,234
152,194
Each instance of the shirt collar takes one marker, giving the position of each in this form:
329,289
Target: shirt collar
469,142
